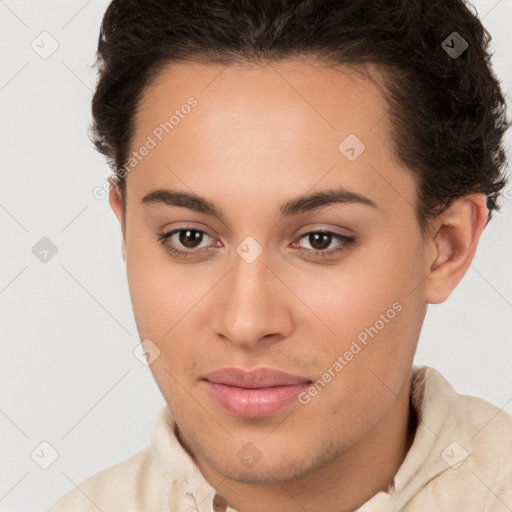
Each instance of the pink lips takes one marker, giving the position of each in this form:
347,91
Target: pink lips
254,393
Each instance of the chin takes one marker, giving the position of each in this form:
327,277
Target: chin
274,465
263,472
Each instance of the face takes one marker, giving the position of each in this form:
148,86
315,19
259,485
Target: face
286,328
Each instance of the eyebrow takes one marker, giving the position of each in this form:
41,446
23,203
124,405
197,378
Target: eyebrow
294,206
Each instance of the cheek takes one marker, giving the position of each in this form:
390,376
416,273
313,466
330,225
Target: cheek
166,302
159,299
146,297
156,289
373,319
350,296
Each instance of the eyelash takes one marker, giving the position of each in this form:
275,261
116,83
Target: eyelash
348,242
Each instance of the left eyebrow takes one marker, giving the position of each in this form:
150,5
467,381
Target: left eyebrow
324,198
295,206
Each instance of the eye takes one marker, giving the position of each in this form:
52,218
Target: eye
321,240
188,238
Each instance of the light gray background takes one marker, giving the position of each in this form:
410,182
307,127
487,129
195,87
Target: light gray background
67,372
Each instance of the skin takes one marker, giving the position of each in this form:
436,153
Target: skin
260,136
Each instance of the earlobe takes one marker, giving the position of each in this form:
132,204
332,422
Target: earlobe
455,241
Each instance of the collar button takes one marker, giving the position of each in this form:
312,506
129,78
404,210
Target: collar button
219,503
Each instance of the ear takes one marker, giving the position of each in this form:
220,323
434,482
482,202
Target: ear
116,203
454,239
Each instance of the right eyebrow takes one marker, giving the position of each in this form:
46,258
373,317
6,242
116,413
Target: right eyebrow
184,199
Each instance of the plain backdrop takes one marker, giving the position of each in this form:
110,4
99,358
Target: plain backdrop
68,375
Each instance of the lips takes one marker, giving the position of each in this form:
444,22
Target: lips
253,393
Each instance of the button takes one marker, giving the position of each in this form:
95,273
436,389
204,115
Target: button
219,503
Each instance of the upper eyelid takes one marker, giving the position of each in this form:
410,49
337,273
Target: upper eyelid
173,232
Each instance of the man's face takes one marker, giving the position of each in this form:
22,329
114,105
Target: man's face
258,289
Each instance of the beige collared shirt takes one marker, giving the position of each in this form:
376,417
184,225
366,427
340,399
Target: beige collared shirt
460,461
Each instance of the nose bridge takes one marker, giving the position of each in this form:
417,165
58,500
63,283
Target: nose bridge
252,306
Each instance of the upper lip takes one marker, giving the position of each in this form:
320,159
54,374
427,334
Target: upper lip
253,378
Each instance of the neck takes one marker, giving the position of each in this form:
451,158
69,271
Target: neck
367,467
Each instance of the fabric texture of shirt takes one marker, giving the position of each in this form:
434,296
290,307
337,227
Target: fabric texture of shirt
460,460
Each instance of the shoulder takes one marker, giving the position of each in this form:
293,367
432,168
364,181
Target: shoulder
488,441
482,432
136,480
487,429
471,455
475,421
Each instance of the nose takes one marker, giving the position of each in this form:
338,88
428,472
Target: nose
253,306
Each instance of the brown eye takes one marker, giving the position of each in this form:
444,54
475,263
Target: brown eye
185,242
189,237
320,240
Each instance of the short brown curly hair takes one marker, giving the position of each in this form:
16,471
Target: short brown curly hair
448,114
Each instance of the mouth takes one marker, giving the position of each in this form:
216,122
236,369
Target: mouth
254,393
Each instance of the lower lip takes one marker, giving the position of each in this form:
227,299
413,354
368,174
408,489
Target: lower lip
254,403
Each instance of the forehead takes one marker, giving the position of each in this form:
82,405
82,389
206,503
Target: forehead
285,125
291,91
